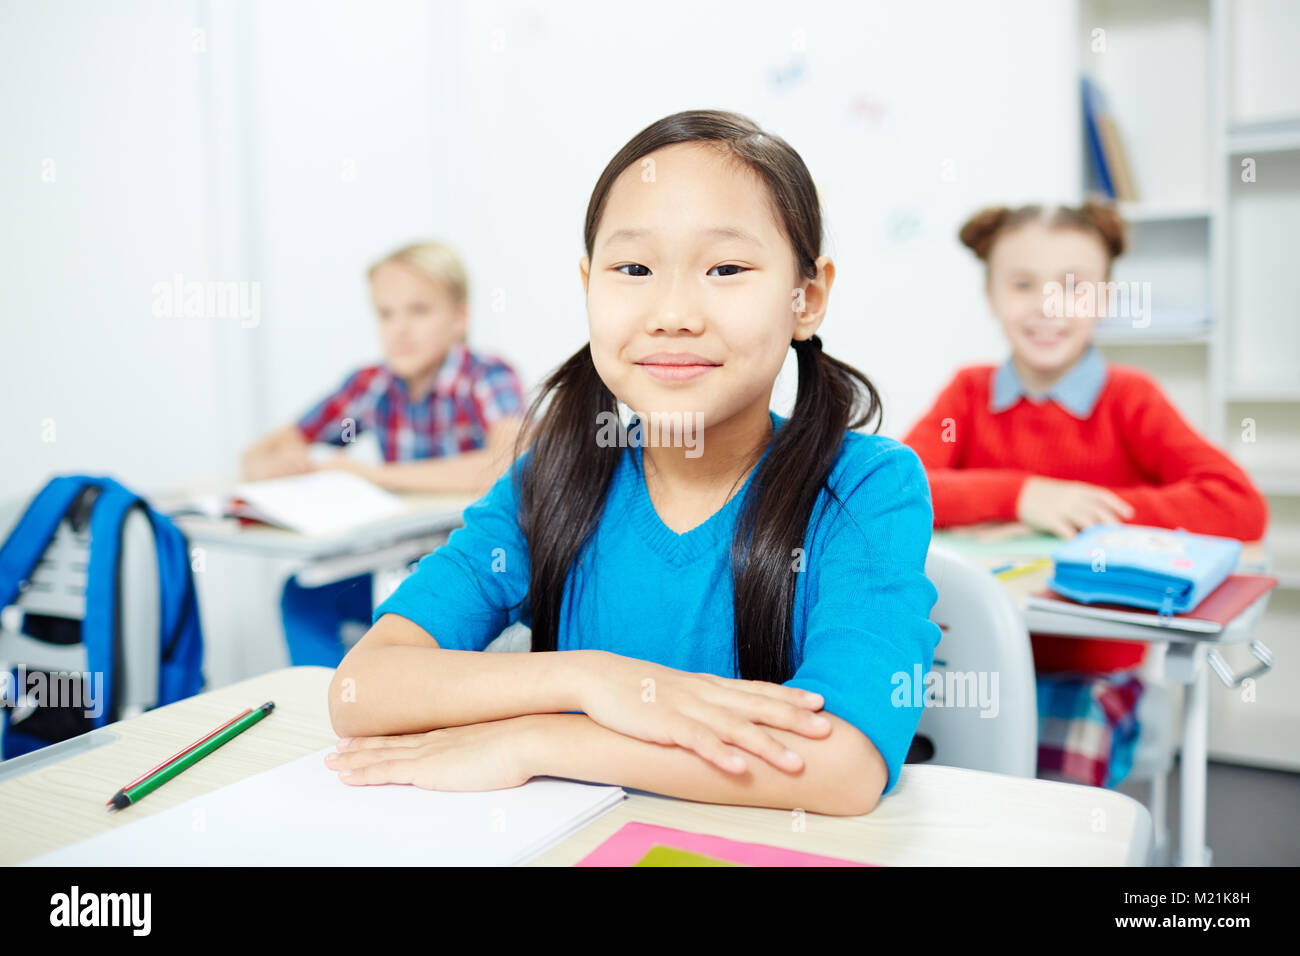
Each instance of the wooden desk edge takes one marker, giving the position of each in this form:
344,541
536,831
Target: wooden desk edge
59,792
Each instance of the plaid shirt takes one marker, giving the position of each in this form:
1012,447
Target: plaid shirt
470,394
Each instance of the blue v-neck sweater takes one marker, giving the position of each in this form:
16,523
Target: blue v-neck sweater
862,633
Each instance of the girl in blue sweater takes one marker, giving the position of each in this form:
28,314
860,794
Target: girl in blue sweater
726,605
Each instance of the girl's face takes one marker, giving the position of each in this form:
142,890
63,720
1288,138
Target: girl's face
690,261
1047,336
418,319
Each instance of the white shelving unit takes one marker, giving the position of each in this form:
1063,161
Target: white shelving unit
1206,95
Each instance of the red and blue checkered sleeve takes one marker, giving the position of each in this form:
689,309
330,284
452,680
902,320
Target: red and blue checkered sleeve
324,422
497,393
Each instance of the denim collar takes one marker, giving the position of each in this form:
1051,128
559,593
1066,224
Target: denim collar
1076,391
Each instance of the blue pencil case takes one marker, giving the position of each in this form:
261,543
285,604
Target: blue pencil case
1166,571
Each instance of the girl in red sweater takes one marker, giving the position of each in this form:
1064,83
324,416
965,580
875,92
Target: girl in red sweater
1059,440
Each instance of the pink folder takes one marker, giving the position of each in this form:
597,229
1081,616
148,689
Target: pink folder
634,840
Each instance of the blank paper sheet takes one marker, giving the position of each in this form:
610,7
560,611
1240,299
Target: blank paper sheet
301,814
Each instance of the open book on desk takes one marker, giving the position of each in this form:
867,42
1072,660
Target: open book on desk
301,814
318,503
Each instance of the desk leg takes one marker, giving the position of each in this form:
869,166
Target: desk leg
1192,770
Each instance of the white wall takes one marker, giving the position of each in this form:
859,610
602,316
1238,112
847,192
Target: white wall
351,157
103,191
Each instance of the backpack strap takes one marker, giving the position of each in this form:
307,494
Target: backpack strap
33,533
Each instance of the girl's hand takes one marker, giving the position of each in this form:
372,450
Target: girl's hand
1067,507
700,712
487,756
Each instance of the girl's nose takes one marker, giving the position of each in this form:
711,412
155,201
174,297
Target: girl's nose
677,321
679,310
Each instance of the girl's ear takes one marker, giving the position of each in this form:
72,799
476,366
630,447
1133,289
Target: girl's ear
584,267
815,299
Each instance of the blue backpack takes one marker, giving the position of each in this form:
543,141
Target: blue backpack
180,641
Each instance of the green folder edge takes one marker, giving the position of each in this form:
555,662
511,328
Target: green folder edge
1028,546
671,856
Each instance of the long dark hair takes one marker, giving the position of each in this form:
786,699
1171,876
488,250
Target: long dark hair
562,491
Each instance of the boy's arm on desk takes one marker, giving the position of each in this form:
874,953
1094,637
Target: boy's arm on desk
470,472
283,452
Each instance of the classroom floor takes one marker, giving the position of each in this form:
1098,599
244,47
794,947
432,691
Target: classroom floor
1250,814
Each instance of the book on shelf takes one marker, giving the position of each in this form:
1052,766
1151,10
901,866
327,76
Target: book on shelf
1112,173
1113,148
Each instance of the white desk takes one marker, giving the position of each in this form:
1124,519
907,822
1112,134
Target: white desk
381,548
935,816
1185,663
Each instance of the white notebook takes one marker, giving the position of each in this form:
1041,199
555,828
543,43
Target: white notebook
300,814
317,503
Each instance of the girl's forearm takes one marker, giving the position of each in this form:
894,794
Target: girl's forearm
404,689
843,773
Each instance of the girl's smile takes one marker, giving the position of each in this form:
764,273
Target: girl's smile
1045,344
677,373
677,366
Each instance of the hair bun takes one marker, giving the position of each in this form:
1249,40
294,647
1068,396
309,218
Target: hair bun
1104,217
978,232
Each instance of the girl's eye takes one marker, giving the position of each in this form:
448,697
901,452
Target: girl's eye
633,265
739,269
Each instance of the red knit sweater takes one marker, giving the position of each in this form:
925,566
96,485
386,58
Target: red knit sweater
1135,443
